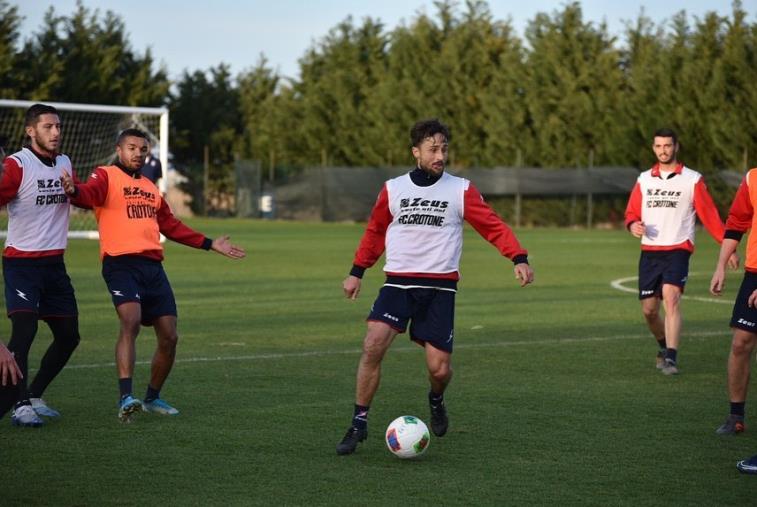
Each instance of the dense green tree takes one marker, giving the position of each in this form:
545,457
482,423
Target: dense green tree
88,58
9,34
573,90
205,118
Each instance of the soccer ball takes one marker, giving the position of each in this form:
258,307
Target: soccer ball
407,437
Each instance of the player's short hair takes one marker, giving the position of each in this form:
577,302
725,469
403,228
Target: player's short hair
666,132
428,128
132,132
37,110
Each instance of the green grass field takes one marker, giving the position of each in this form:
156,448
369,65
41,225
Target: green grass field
555,400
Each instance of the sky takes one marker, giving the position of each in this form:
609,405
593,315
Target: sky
192,34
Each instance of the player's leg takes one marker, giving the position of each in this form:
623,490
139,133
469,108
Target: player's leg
377,341
744,326
440,374
159,310
433,325
162,362
375,344
739,369
388,317
671,300
650,308
650,291
58,308
23,330
65,340
130,318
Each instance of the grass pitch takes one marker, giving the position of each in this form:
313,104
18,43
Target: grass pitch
555,400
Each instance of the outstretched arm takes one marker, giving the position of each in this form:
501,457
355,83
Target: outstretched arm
488,224
223,246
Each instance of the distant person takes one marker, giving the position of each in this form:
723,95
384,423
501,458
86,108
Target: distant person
153,169
741,218
418,220
662,211
131,215
37,286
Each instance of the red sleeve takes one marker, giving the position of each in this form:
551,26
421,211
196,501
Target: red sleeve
740,215
10,180
175,230
633,208
372,244
93,192
486,222
707,211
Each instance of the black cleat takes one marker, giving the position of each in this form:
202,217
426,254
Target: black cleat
349,443
439,419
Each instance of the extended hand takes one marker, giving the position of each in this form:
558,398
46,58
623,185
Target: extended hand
68,183
223,246
524,274
733,261
351,287
8,367
718,282
638,229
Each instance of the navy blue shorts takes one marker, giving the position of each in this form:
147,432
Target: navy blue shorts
132,278
745,317
659,268
431,313
38,285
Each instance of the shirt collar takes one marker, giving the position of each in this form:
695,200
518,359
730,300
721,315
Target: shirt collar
48,161
133,174
656,170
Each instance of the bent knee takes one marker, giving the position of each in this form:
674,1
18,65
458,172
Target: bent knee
743,343
441,373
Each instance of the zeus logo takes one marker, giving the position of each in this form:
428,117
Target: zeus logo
391,317
21,295
49,183
117,293
647,292
420,201
745,322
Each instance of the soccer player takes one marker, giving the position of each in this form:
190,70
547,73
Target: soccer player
131,215
418,220
662,211
741,218
36,283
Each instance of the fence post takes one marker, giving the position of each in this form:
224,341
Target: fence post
517,210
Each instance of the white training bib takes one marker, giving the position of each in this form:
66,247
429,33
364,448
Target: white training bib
426,232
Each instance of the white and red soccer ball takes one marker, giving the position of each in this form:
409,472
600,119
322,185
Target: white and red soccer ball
407,437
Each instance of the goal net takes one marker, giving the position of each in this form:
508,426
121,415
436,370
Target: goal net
88,138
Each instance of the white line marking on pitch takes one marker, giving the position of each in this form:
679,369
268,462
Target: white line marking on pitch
317,353
618,284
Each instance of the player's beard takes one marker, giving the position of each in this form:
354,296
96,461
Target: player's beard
666,159
430,169
48,146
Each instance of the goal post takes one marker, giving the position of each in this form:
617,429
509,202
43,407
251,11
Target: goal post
89,133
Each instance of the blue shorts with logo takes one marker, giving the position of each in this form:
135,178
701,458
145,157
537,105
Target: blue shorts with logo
38,285
430,312
745,317
660,267
137,279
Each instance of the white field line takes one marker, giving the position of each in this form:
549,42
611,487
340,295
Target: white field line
618,285
356,351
